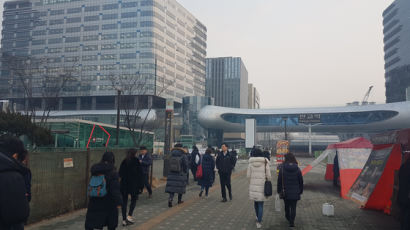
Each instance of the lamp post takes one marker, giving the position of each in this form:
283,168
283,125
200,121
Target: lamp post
285,119
118,116
310,125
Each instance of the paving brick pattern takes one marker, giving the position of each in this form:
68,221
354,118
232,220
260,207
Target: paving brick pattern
210,213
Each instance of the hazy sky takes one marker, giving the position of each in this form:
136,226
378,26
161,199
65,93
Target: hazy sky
299,52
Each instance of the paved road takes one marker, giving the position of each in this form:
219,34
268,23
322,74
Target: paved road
200,213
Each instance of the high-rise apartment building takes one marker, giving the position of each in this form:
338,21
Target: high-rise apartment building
227,81
158,41
397,50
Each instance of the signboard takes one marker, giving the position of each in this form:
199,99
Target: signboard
169,105
68,163
282,148
372,171
312,118
250,133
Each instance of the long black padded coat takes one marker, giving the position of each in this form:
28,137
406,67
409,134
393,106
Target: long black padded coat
176,182
292,180
208,173
132,177
103,211
14,206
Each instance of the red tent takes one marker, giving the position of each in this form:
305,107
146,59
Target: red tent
373,189
352,155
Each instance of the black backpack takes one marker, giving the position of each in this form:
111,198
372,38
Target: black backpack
175,164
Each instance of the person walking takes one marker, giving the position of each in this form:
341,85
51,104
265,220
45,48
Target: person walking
234,155
224,164
177,179
103,211
132,182
403,198
189,162
146,162
258,172
208,173
290,185
194,163
14,204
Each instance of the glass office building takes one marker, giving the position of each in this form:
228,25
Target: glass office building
397,50
227,81
158,41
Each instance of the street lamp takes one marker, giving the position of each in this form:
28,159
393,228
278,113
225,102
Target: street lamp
118,113
310,125
285,119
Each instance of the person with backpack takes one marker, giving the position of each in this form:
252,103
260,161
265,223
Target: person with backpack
194,163
224,164
14,205
146,162
290,186
208,174
176,180
105,195
258,172
132,182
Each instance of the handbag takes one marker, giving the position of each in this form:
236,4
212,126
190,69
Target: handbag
199,172
268,184
282,193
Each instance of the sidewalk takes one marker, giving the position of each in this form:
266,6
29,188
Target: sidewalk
200,213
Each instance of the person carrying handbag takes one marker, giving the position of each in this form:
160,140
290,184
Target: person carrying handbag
290,186
259,172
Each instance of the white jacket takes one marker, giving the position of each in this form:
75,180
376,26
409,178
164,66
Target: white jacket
256,172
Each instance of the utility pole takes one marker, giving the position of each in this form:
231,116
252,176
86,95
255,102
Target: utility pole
118,116
285,119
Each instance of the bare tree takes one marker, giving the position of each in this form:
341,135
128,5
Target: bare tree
33,78
136,109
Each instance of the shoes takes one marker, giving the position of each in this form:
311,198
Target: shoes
258,225
180,201
291,225
149,196
126,222
130,219
230,196
170,204
200,194
224,200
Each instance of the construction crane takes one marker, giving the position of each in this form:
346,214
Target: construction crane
366,96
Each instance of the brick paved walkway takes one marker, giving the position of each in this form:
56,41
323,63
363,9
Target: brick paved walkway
200,213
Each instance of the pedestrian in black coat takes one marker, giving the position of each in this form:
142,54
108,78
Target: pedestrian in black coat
146,162
336,172
176,181
225,164
208,172
103,211
14,206
403,198
194,165
234,155
290,181
132,182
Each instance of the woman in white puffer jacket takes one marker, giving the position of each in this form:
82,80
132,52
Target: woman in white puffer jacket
258,172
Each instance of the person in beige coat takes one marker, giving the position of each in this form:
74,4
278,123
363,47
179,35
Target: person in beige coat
258,172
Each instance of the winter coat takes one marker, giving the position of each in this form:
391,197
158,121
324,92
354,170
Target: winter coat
292,180
176,182
132,178
146,163
27,181
103,211
14,207
193,157
258,172
226,163
208,173
404,185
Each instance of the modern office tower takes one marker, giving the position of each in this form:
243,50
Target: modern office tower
106,45
397,50
253,97
227,81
